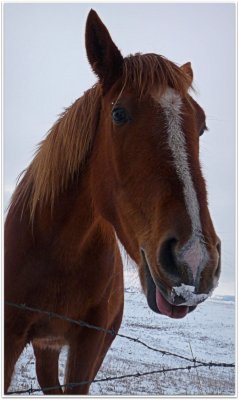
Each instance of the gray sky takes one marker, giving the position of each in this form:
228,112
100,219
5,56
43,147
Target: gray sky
46,69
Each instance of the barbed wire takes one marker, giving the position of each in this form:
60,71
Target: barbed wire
112,332
50,314
114,378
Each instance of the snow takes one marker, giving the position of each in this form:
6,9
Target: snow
207,334
187,292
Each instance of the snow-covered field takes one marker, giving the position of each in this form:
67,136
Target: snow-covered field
207,334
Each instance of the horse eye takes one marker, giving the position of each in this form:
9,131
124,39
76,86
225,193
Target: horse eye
119,116
201,131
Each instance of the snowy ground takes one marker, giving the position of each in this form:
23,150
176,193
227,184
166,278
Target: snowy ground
207,334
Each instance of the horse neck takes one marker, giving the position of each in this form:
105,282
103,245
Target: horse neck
72,218
73,210
76,225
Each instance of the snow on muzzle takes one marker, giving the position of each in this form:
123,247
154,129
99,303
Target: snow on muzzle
183,300
187,294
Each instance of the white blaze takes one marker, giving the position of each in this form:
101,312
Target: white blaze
171,103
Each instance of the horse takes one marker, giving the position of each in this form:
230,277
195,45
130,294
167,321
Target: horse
121,164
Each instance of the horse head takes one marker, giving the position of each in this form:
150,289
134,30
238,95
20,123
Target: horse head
146,175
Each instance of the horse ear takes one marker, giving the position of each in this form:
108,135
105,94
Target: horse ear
187,68
103,55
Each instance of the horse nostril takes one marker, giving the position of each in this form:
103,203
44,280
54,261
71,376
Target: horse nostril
167,257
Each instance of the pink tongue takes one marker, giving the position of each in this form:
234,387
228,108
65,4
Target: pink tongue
167,309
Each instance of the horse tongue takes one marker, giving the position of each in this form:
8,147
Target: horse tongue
166,308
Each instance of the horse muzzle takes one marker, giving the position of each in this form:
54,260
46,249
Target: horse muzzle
160,300
181,294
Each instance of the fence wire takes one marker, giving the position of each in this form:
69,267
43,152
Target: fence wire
196,363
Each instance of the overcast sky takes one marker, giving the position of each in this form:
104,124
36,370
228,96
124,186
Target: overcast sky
46,69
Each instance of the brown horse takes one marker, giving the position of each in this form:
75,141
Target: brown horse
122,161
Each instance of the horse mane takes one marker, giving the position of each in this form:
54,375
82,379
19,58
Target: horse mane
61,155
70,139
147,72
